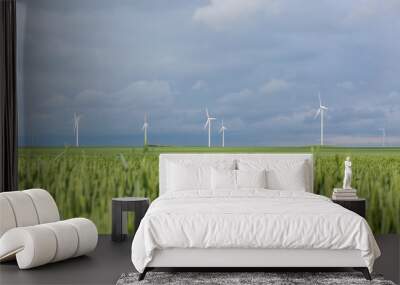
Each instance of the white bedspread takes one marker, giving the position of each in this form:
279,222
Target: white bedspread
250,219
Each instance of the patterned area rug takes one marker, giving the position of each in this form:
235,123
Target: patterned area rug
228,278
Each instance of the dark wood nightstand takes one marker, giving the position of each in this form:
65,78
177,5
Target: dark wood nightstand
120,207
358,205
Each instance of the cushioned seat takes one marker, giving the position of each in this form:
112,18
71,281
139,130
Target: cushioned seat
31,232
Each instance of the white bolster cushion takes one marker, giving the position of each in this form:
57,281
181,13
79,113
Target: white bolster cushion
23,208
45,205
33,246
67,240
7,218
87,235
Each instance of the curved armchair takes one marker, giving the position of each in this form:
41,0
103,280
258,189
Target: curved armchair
32,233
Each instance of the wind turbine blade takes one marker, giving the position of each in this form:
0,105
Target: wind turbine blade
76,122
319,97
317,113
208,115
207,122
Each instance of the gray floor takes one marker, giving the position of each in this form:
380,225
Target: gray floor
110,260
103,266
389,262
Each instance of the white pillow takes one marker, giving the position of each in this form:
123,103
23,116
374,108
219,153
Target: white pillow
292,178
188,177
223,179
251,178
282,174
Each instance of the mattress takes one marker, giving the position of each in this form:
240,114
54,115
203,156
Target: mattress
250,219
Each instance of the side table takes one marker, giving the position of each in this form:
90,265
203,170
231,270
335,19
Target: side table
120,207
357,205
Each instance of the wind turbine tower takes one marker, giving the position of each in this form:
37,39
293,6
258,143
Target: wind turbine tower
144,128
320,112
383,130
222,131
208,123
77,118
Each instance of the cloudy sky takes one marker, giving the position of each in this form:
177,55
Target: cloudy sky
258,65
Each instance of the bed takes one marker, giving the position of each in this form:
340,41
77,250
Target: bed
245,211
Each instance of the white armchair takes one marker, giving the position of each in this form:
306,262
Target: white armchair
31,230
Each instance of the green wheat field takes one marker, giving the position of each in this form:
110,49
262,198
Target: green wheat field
84,180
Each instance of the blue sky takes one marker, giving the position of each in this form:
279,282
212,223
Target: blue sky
256,64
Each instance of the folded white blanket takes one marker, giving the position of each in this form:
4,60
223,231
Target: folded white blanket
250,219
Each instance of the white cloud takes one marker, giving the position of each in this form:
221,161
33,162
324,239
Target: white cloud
236,97
369,9
235,124
292,119
348,85
274,86
156,93
394,95
105,67
113,111
90,97
136,96
55,101
362,140
221,13
199,84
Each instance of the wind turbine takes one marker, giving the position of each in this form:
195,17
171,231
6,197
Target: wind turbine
320,112
222,130
144,128
208,123
77,118
383,130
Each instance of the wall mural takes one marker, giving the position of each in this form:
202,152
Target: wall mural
105,86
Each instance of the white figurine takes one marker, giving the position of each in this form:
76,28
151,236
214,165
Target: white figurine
347,174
